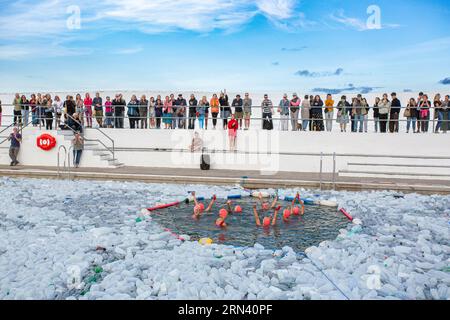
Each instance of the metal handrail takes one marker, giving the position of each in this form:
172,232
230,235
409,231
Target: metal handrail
94,140
110,139
14,125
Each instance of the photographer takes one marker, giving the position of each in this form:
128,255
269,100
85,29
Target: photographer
16,139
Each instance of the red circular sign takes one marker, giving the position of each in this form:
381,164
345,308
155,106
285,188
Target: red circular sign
46,142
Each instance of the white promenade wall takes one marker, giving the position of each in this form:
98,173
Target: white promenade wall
136,148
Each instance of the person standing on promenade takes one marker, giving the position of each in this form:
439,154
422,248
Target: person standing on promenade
411,115
119,105
248,104
283,110
25,109
109,114
238,111
306,113
344,109
167,113
17,110
133,112
437,104
192,112
424,107
396,107
329,112
201,111
225,109
267,111
151,113
384,107
58,108
295,110
88,110
98,109
143,112
16,139
159,104
181,112
79,108
214,104
316,114
376,114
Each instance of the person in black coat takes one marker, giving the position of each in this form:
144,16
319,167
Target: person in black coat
317,114
192,112
394,113
119,105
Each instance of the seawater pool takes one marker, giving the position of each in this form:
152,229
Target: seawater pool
316,225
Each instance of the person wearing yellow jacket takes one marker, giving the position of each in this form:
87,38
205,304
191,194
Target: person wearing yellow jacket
214,105
329,112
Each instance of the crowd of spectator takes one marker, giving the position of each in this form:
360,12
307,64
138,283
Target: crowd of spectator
309,113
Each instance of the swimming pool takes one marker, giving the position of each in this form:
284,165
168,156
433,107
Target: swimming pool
316,225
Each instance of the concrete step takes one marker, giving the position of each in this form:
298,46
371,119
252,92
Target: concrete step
402,169
392,175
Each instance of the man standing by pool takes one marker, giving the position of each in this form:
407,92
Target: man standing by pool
16,138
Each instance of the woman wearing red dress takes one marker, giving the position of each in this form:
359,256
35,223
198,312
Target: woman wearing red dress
233,127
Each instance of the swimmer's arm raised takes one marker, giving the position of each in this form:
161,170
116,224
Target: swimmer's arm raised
274,220
211,204
195,198
274,202
255,213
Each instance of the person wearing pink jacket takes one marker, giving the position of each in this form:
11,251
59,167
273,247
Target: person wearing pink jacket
88,110
294,108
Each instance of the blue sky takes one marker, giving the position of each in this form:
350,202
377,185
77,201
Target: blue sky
214,44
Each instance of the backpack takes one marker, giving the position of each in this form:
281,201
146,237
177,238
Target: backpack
205,162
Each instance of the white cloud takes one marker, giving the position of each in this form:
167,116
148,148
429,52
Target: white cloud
44,21
278,9
128,51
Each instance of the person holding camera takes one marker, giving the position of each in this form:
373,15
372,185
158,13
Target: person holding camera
16,139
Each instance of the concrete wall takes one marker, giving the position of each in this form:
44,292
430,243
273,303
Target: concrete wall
251,141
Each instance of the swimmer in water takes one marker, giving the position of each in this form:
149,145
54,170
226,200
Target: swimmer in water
296,211
267,221
223,214
199,207
265,205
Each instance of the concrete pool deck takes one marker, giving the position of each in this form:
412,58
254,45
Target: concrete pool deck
252,180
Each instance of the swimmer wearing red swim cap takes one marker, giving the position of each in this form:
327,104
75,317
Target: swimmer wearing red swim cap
287,214
296,211
199,207
223,215
267,221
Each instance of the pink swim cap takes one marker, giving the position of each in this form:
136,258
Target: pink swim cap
265,206
296,211
197,209
238,209
266,222
202,206
286,213
223,213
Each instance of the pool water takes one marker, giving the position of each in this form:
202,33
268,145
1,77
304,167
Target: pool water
316,225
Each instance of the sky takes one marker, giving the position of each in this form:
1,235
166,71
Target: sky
209,45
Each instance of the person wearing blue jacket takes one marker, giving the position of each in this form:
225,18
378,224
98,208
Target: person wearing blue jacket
133,112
